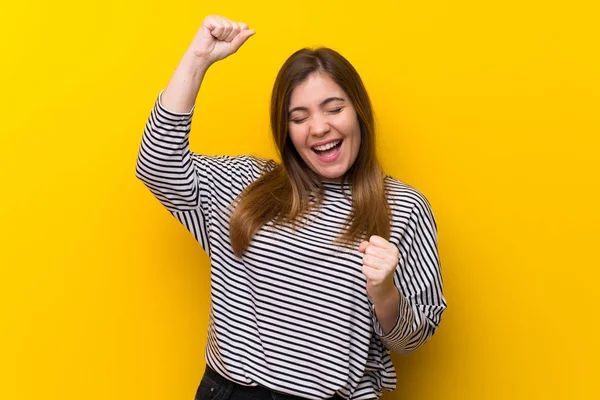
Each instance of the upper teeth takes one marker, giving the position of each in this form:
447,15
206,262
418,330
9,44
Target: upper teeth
327,146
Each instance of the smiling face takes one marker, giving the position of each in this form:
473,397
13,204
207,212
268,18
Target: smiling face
324,127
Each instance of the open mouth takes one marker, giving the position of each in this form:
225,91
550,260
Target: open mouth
327,149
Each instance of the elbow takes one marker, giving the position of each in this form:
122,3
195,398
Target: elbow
144,171
412,342
138,172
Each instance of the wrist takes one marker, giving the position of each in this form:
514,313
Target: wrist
385,295
195,63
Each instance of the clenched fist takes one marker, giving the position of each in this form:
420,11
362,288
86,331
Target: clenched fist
218,38
379,263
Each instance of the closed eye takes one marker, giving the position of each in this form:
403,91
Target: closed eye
301,120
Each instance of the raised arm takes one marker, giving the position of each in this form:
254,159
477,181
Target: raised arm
216,39
164,161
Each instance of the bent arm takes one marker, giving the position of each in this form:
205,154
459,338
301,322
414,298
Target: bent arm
418,279
164,162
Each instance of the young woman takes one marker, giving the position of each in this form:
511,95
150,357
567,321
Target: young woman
321,265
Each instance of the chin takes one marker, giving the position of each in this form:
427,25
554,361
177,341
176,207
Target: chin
333,175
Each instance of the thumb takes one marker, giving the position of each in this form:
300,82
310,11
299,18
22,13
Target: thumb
363,246
241,38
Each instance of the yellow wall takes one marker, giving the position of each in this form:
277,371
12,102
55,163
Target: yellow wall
490,108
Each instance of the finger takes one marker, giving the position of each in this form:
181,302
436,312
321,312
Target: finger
210,23
373,275
224,27
241,38
380,258
377,252
375,262
363,246
370,272
235,29
227,28
216,29
379,242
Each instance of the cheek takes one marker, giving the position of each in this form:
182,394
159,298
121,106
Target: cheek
356,140
356,147
352,129
297,137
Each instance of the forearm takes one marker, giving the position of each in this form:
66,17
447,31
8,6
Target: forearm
402,326
387,309
182,90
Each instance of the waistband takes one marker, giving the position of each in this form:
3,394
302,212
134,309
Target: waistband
255,391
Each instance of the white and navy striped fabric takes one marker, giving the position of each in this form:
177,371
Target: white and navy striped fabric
293,314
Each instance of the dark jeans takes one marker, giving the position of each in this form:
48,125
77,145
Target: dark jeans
215,387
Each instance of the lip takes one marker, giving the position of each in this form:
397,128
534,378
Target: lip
324,142
333,157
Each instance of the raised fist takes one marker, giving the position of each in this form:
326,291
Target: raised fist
218,38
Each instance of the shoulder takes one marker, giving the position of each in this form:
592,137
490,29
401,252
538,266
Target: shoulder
234,172
408,206
263,164
401,194
236,162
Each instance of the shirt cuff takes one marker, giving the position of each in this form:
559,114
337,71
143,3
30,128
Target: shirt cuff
172,114
402,326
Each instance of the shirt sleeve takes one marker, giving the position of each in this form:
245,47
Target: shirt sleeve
164,162
191,186
419,281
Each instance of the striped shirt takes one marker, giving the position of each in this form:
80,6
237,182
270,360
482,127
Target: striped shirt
292,314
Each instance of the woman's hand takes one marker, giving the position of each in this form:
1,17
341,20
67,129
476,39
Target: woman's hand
379,263
218,38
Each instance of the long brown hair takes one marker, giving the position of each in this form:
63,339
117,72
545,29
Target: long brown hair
291,189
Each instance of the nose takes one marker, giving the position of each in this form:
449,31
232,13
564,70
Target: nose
319,125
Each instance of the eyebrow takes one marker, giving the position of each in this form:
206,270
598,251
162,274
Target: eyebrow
324,102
